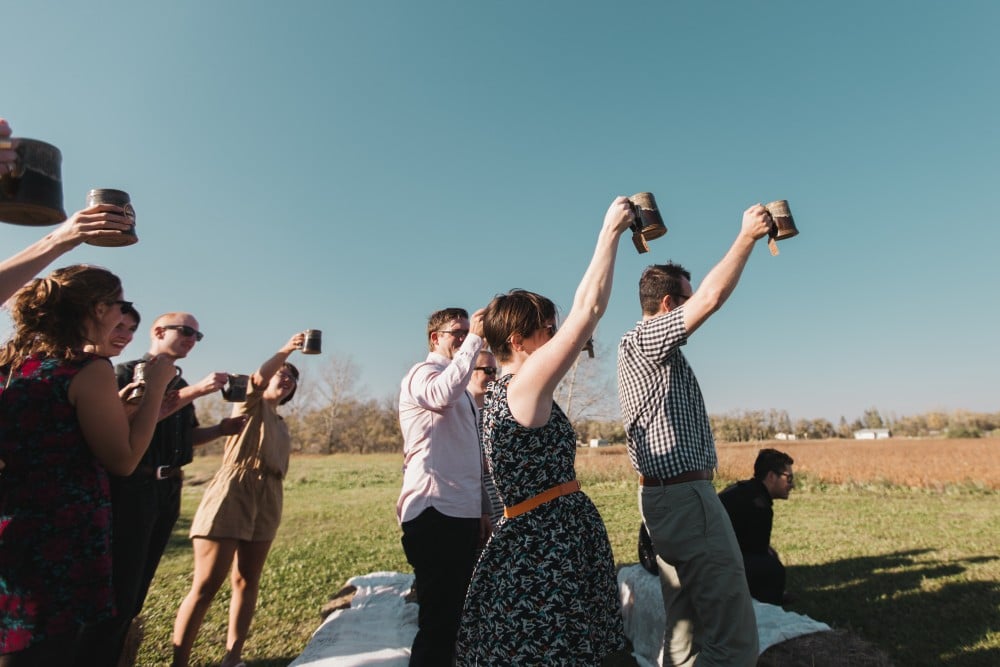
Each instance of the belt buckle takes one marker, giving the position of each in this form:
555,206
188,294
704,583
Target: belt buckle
161,472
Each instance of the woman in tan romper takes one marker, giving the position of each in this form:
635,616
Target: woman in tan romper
241,509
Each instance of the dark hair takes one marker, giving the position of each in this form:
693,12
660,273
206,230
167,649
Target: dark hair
516,312
441,317
770,460
133,313
295,373
50,315
657,281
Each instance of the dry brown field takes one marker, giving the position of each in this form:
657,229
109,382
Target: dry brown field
919,463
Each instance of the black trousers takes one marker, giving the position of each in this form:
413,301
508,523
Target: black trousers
766,577
143,513
442,551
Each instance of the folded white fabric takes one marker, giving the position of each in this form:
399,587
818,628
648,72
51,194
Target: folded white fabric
644,617
378,628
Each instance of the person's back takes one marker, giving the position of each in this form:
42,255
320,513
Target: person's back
55,508
707,603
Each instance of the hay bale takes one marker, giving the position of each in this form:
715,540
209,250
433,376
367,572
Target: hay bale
836,648
340,600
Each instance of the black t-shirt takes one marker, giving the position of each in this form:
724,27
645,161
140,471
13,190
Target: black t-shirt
173,439
751,511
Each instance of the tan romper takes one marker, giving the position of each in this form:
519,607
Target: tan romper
243,500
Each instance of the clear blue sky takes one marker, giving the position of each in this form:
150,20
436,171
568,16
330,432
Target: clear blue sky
353,166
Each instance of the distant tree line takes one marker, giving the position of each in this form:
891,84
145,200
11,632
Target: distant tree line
328,416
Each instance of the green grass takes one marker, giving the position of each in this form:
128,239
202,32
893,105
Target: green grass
914,572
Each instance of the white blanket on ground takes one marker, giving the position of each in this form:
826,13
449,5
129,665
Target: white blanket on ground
379,627
642,611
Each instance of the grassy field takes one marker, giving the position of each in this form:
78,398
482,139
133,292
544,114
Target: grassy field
911,567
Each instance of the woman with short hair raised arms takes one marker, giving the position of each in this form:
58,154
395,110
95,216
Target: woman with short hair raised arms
544,589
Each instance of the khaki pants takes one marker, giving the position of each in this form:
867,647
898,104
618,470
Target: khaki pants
710,618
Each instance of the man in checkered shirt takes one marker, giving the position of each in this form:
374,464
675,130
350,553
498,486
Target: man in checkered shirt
709,613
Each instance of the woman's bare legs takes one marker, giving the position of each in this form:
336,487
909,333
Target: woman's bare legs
212,559
245,579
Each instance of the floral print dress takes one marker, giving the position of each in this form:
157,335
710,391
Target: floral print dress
55,510
544,590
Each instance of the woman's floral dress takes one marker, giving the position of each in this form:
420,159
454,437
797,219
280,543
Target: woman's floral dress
544,590
55,510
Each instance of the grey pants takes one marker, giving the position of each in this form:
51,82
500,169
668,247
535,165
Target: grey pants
710,618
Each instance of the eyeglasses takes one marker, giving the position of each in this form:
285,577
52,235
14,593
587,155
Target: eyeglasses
457,334
185,331
489,370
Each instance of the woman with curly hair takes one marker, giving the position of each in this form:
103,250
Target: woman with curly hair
62,430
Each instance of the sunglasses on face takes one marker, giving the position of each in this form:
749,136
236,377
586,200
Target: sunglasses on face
185,331
489,370
457,334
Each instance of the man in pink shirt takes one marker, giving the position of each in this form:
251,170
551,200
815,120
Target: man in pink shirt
440,505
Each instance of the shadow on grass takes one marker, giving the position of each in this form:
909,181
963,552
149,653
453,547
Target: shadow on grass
891,595
179,540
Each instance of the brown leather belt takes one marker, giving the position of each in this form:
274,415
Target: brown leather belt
531,503
692,476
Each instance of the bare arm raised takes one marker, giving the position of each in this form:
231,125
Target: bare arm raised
90,223
722,279
267,369
530,392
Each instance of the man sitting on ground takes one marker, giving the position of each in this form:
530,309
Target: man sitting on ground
749,504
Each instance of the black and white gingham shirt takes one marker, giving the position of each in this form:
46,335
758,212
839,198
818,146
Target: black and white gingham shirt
665,419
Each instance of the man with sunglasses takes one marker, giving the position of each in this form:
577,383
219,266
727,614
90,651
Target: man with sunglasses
710,617
440,506
750,505
146,504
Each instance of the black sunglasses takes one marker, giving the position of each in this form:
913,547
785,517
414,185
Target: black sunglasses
489,370
126,306
457,334
185,330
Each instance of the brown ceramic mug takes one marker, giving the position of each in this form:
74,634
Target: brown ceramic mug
235,390
647,224
121,199
139,375
31,194
784,223
313,343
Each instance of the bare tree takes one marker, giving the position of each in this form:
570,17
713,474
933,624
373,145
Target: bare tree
323,401
211,410
588,391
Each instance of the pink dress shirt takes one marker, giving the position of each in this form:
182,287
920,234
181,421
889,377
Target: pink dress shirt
442,463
